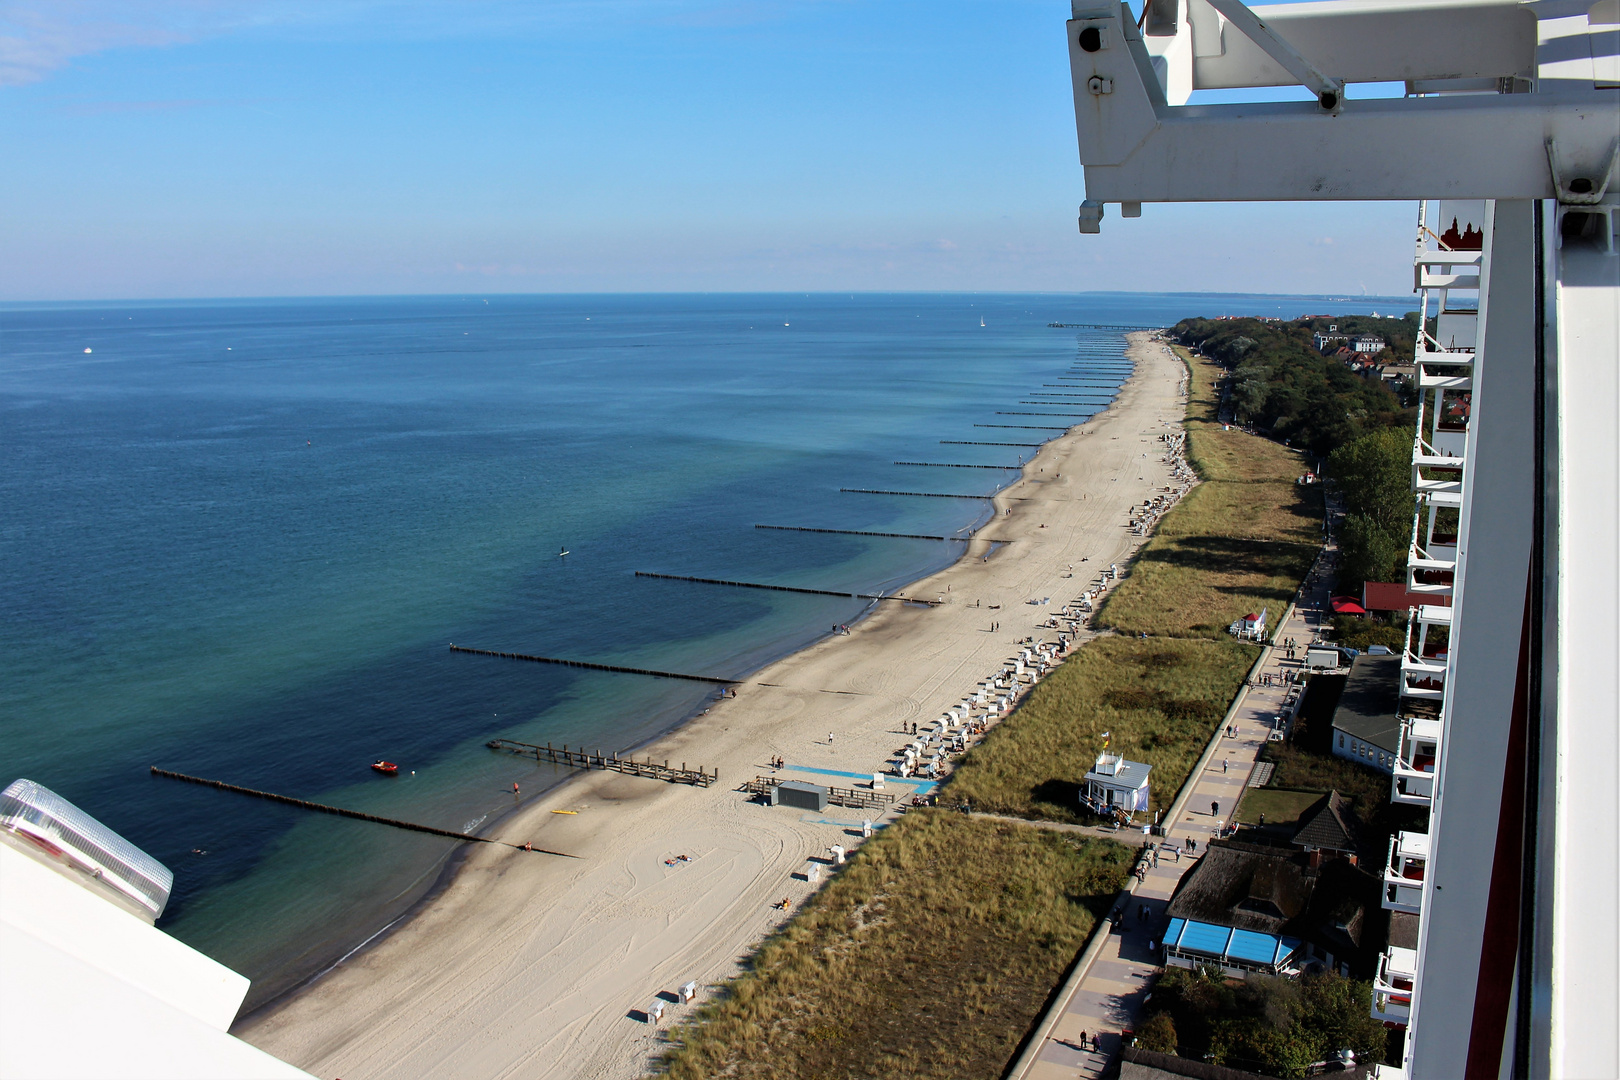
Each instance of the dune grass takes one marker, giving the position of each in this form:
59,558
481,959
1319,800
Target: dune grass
1240,541
1161,699
933,952
930,955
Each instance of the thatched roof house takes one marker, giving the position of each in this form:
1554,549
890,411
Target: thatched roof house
1251,907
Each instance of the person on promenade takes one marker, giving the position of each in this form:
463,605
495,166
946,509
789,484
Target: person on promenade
1223,764
1214,808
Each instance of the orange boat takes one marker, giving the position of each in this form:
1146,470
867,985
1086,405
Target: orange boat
387,768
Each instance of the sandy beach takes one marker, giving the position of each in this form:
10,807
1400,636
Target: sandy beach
529,965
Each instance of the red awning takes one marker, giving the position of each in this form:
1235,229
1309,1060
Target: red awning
1346,605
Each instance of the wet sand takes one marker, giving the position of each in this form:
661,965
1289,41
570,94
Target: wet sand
527,965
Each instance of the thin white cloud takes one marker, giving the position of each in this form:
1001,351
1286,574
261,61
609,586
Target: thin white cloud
39,37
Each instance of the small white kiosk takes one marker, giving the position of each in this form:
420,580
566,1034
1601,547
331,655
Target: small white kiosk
1115,784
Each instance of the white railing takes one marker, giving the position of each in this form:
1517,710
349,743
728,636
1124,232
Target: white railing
1404,871
1423,565
1411,787
1425,456
1392,987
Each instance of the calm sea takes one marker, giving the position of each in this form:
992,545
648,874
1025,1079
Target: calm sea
237,538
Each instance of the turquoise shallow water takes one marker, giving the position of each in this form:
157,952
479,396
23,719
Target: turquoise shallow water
237,538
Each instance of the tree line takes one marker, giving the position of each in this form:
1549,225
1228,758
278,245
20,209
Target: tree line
1279,383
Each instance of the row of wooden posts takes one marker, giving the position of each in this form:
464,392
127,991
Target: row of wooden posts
586,759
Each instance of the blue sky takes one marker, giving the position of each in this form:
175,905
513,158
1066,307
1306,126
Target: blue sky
219,148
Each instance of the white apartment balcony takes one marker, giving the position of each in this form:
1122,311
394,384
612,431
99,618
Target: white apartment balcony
1423,659
1423,677
1404,871
1456,329
1431,568
1412,780
1442,458
1420,743
1439,371
1437,265
1388,1072
1445,470
1432,353
1411,787
1392,987
1440,542
1430,616
1450,439
1448,270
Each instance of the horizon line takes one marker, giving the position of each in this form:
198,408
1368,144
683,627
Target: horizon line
333,297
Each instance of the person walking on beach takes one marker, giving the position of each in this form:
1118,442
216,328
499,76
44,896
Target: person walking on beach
829,738
514,787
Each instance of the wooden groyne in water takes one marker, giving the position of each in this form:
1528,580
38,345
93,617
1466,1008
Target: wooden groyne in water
584,759
862,532
595,667
1096,326
321,808
949,465
918,494
773,588
971,442
1081,415
1028,427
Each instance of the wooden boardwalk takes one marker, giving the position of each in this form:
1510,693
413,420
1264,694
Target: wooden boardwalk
853,797
585,759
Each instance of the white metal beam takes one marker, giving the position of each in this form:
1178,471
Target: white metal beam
1478,813
1138,145
1582,887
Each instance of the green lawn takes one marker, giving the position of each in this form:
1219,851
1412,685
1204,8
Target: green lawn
1278,807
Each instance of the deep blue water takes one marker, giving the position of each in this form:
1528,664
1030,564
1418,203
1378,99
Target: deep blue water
236,539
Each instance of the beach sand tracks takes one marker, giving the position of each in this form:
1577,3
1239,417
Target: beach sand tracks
876,683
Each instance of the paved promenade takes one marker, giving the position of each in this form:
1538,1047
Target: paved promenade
1107,1001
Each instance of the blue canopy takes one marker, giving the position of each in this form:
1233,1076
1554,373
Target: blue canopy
1256,948
1224,943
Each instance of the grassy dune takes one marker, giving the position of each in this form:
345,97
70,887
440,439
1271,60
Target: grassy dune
929,955
1240,541
932,953
1160,698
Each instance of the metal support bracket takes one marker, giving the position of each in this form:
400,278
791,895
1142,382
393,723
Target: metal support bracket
1329,91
